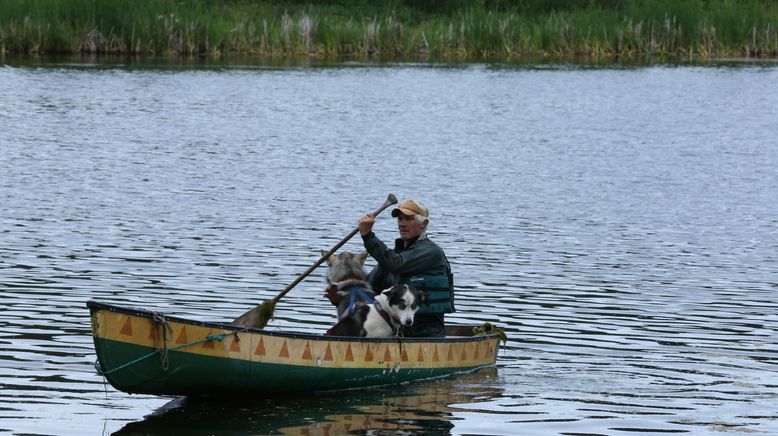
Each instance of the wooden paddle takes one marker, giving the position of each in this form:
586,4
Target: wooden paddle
259,316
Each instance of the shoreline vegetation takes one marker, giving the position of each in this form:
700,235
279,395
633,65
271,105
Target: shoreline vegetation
393,29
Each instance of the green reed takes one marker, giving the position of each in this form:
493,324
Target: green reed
396,29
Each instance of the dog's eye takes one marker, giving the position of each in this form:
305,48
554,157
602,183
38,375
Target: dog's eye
414,306
402,306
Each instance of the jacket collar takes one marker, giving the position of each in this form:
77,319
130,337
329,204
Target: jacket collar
399,244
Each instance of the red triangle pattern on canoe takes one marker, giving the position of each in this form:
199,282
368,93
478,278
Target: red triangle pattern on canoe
421,354
349,355
404,355
127,328
182,339
387,355
307,351
328,353
284,351
435,354
260,350
235,346
369,354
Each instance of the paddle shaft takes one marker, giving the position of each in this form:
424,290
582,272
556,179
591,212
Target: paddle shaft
390,200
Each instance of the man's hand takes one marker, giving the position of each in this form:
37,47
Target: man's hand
366,224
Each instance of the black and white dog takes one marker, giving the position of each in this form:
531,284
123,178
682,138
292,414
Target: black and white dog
348,287
393,308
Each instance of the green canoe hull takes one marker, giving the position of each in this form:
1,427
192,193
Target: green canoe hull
140,351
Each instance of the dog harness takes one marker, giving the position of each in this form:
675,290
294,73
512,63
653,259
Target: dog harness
358,291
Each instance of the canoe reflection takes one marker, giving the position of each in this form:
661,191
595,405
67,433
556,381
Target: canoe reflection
421,408
424,409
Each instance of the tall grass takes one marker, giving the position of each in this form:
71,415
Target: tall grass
392,28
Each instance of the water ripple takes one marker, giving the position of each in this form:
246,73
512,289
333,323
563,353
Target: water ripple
623,235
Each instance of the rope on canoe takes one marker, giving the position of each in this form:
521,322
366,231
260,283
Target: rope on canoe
489,328
163,352
159,321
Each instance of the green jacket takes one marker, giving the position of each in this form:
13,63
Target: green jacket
400,265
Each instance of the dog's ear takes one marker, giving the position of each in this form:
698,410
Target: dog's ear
361,257
390,291
329,258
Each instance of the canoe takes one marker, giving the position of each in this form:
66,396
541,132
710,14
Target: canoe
145,352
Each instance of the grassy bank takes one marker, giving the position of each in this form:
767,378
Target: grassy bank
393,29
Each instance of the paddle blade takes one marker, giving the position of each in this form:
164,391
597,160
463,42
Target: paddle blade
257,317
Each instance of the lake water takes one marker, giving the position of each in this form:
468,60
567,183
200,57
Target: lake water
620,223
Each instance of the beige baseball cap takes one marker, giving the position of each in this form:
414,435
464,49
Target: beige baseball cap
411,207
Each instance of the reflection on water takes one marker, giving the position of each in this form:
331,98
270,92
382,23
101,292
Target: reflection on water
619,224
427,407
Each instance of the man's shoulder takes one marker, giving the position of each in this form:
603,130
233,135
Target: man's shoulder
427,245
426,240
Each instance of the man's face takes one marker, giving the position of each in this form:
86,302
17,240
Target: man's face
409,227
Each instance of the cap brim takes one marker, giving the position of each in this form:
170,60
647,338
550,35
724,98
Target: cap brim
399,210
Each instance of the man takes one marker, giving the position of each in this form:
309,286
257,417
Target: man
416,261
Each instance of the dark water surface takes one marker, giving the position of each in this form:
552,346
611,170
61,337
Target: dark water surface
619,223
